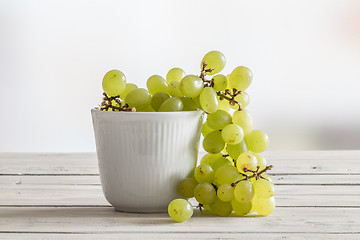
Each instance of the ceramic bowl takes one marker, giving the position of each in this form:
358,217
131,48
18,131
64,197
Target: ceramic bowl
142,156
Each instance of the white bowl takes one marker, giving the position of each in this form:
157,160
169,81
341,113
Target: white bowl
143,155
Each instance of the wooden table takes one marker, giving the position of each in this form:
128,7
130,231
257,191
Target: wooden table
58,196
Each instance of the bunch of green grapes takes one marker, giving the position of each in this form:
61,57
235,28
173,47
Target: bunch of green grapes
231,176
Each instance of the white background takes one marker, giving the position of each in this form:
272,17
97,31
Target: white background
305,57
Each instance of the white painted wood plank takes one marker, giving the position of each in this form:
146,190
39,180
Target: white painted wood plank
95,180
312,162
177,235
106,220
91,195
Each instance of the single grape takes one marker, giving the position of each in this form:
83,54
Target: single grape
264,188
226,174
221,208
156,83
197,101
147,109
128,88
157,99
240,78
208,100
180,210
232,134
234,150
175,74
246,160
224,104
173,104
225,192
243,191
174,89
114,83
214,60
261,161
205,193
209,158
191,86
244,120
213,142
186,187
241,208
204,173
218,120
189,104
138,98
263,206
257,141
221,161
220,82
206,129
243,99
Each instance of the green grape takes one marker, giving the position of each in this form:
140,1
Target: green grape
234,150
225,192
263,206
240,78
157,99
114,83
138,98
147,109
189,104
257,141
180,210
243,99
174,89
213,142
223,105
221,208
226,174
220,82
221,161
175,74
264,188
186,187
156,83
244,120
204,173
207,208
232,134
191,86
205,193
241,208
214,60
243,191
218,120
208,100
197,101
210,158
173,104
128,88
206,129
261,161
246,160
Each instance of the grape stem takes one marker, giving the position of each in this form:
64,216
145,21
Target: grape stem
200,206
208,83
255,174
107,104
231,99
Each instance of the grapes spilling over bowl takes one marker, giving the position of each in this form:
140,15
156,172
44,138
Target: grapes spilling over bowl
231,178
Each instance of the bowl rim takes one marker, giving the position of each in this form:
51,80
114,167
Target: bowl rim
145,113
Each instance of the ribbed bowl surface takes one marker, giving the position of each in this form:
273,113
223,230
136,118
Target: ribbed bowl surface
143,156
